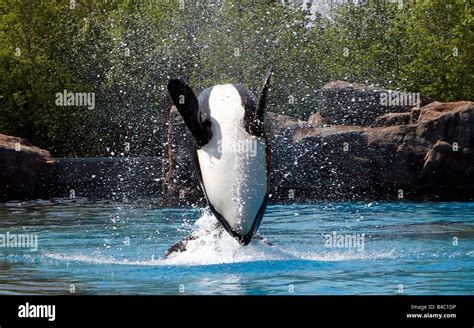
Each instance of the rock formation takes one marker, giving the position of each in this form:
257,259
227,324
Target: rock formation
26,171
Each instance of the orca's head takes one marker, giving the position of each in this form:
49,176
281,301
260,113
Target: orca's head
229,97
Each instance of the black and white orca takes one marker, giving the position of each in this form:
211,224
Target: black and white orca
230,150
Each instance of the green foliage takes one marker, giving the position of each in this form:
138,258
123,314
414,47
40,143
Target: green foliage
422,46
362,44
438,58
125,51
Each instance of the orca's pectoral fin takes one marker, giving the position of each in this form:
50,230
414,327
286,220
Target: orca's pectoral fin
188,106
180,246
255,121
263,239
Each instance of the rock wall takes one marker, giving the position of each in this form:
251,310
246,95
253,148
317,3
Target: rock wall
118,178
344,103
429,158
26,171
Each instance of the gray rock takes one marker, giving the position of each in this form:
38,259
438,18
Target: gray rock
390,119
344,103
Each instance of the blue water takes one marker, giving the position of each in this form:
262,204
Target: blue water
109,248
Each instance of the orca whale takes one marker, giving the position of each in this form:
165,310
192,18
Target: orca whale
230,151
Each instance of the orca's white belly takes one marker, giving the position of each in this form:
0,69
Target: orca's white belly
233,163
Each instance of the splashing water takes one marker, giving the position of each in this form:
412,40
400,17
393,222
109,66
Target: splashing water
214,246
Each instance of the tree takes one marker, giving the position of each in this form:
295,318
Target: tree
437,58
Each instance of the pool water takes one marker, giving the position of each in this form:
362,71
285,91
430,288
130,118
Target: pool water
339,248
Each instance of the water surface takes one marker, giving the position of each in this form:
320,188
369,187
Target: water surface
117,248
